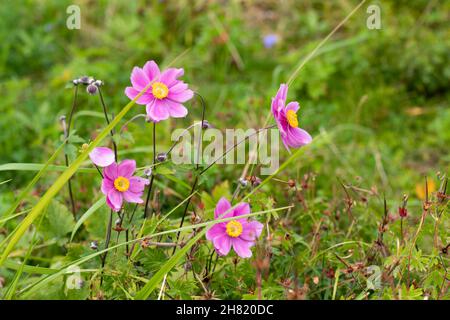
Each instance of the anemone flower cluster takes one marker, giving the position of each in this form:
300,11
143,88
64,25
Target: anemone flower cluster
119,183
165,95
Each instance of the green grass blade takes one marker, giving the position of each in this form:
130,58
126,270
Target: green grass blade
38,167
145,292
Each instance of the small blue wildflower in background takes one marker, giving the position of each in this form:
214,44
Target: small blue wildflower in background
270,40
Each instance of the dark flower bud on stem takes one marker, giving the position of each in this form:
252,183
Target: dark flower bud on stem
205,124
148,172
403,212
161,157
94,245
92,89
243,182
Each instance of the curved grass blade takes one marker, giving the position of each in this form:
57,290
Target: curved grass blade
145,292
39,166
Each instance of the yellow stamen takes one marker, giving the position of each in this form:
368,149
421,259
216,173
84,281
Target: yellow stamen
160,90
292,118
121,184
234,228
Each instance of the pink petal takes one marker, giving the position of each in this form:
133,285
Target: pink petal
115,199
215,231
107,185
169,76
138,79
151,69
279,100
144,99
137,184
126,168
132,197
297,137
242,247
222,244
294,106
179,87
102,156
251,230
111,171
241,209
176,110
181,96
222,206
285,142
157,111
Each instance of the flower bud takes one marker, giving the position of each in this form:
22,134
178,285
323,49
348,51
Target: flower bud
85,80
92,89
94,245
205,124
161,157
148,172
243,182
403,212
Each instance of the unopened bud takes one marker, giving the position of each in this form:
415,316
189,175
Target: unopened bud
148,172
92,89
403,212
243,182
85,80
94,245
205,124
161,157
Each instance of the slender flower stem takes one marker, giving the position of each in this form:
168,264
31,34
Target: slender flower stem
107,240
194,185
200,138
108,231
107,121
153,175
66,156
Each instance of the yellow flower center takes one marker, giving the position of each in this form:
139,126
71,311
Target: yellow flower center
292,118
234,228
121,184
160,90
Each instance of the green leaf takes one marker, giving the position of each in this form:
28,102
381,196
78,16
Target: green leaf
58,221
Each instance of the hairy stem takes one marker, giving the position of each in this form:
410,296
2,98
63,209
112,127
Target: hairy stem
66,156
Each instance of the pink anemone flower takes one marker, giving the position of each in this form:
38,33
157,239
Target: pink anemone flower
240,233
287,122
166,95
119,184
